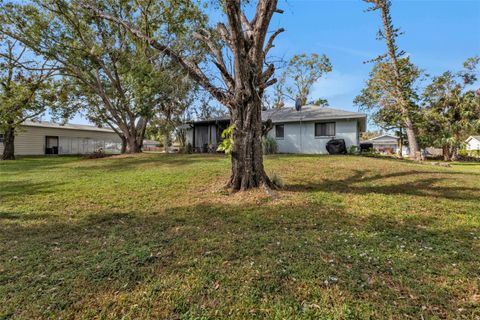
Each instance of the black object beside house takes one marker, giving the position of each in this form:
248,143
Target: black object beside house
336,146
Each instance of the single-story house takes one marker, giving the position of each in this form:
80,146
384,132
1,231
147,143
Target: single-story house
473,143
44,137
306,131
385,143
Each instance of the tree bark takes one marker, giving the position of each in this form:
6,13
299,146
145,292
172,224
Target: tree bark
165,142
124,145
132,135
401,142
446,152
134,144
454,153
247,156
411,137
9,144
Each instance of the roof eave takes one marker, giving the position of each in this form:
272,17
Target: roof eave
67,128
321,119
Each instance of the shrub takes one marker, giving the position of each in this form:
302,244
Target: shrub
353,150
475,153
227,142
270,145
463,153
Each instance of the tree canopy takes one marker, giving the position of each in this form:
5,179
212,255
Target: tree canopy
27,90
451,110
115,78
239,85
297,80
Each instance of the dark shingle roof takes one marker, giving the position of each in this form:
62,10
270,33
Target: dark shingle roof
309,113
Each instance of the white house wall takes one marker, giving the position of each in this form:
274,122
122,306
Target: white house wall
473,144
31,141
300,137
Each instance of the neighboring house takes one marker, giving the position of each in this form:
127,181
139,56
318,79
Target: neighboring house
43,137
306,131
385,143
473,143
151,145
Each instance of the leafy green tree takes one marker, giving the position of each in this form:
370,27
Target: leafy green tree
397,79
170,110
379,98
239,85
296,82
451,112
114,77
26,90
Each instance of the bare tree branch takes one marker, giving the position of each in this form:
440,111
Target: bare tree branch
270,42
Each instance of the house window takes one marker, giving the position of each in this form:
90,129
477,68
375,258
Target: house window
279,131
1,138
325,129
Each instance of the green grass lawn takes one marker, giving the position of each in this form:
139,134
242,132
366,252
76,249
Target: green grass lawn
155,236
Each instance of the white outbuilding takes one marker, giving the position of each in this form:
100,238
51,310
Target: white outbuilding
473,143
44,137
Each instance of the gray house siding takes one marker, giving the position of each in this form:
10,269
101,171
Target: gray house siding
299,128
300,137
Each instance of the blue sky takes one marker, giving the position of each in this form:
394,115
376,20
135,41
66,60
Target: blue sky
439,35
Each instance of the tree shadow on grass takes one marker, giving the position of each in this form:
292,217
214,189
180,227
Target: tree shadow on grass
114,163
30,164
232,259
122,163
14,216
13,189
363,182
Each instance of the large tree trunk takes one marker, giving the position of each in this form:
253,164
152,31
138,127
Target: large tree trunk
133,136
412,138
134,144
124,145
247,156
9,144
401,142
454,153
166,140
446,152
